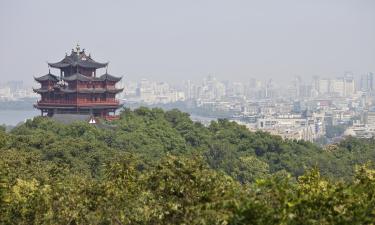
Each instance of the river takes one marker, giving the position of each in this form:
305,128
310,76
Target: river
13,117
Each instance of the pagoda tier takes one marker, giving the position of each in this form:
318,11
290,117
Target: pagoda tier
81,77
78,90
77,105
81,90
47,77
78,59
78,62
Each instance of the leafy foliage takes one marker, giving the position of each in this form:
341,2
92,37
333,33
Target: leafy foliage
156,167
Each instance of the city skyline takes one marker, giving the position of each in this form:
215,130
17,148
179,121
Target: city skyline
187,112
170,41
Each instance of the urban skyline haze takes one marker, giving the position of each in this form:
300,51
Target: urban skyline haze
179,40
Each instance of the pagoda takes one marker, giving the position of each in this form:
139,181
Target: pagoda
78,90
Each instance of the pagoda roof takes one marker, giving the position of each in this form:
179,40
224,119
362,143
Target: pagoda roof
92,90
47,77
75,106
116,90
81,77
78,58
77,76
41,90
109,77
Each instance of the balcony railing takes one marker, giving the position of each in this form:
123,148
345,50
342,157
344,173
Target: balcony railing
112,117
80,102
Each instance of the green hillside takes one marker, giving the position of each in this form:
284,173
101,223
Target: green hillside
157,167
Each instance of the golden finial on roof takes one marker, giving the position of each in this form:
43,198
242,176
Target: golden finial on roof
78,49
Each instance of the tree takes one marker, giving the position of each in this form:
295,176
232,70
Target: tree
186,191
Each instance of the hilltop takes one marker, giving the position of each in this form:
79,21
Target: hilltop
159,167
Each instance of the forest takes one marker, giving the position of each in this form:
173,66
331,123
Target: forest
159,167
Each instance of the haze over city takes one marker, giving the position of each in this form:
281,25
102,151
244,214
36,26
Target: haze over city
187,112
179,40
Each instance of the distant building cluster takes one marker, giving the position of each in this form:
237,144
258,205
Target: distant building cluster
300,110
308,127
15,90
364,127
337,87
150,92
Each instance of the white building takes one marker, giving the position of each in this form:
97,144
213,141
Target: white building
341,87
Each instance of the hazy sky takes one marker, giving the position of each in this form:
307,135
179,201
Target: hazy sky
174,40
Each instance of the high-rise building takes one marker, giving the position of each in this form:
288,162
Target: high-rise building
349,86
343,86
367,82
370,117
15,85
323,86
188,89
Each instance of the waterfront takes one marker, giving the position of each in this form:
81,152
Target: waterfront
14,117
